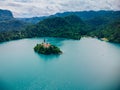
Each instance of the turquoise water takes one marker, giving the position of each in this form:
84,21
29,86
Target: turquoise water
86,64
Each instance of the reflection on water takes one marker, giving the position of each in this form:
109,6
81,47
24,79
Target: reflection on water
48,57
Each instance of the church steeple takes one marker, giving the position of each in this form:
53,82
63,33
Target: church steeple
44,40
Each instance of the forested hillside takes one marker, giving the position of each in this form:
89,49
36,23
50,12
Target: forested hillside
65,27
9,23
73,25
110,31
5,15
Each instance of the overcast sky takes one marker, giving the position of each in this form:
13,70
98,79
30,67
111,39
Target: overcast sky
30,8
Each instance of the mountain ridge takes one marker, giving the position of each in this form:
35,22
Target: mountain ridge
101,24
84,15
5,15
9,23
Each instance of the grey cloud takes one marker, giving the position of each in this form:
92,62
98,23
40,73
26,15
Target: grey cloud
29,8
14,5
23,1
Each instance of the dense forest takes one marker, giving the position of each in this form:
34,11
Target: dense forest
65,27
110,31
73,25
39,48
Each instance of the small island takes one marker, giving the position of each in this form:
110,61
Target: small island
47,49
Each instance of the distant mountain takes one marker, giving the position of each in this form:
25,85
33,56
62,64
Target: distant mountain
101,24
87,15
32,20
94,19
5,15
66,27
110,31
9,23
73,20
12,25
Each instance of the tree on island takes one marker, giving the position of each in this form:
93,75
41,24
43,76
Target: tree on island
46,48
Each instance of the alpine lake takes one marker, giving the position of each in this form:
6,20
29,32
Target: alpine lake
86,64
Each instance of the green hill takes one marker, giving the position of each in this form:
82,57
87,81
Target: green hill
65,27
9,23
5,15
47,49
110,31
101,24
